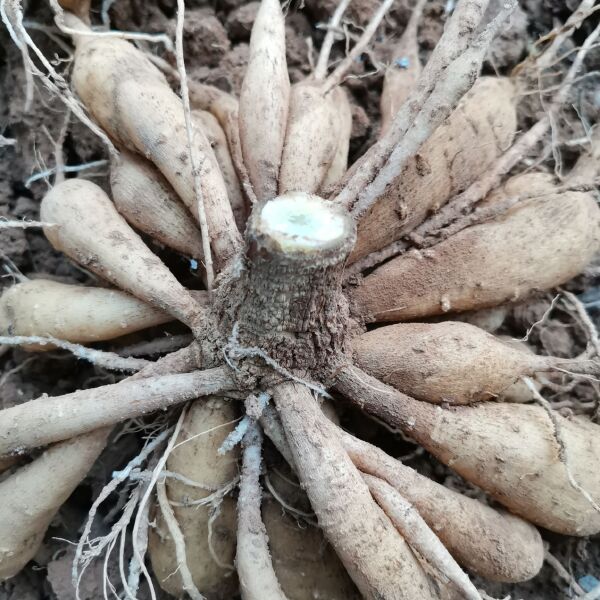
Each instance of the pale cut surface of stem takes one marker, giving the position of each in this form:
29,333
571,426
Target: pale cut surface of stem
253,559
373,552
45,420
421,538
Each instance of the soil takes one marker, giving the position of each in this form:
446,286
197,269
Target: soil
216,46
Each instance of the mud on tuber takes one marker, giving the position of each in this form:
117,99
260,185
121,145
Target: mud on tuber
249,484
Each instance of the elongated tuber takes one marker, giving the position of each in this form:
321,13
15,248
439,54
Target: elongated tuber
509,450
264,100
375,555
539,244
149,203
450,362
75,313
475,134
205,516
33,494
87,228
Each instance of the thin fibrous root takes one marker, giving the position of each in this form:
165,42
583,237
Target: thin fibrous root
193,151
586,322
421,538
161,38
562,447
322,62
172,524
16,224
107,360
88,549
46,420
337,75
253,560
12,16
178,541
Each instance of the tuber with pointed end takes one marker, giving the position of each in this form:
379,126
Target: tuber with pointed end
375,555
509,450
88,229
149,203
218,142
491,543
41,307
538,244
132,101
33,494
311,138
412,526
339,163
199,472
475,134
450,362
264,100
402,74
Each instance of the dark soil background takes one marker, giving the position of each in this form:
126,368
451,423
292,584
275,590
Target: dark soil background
216,47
